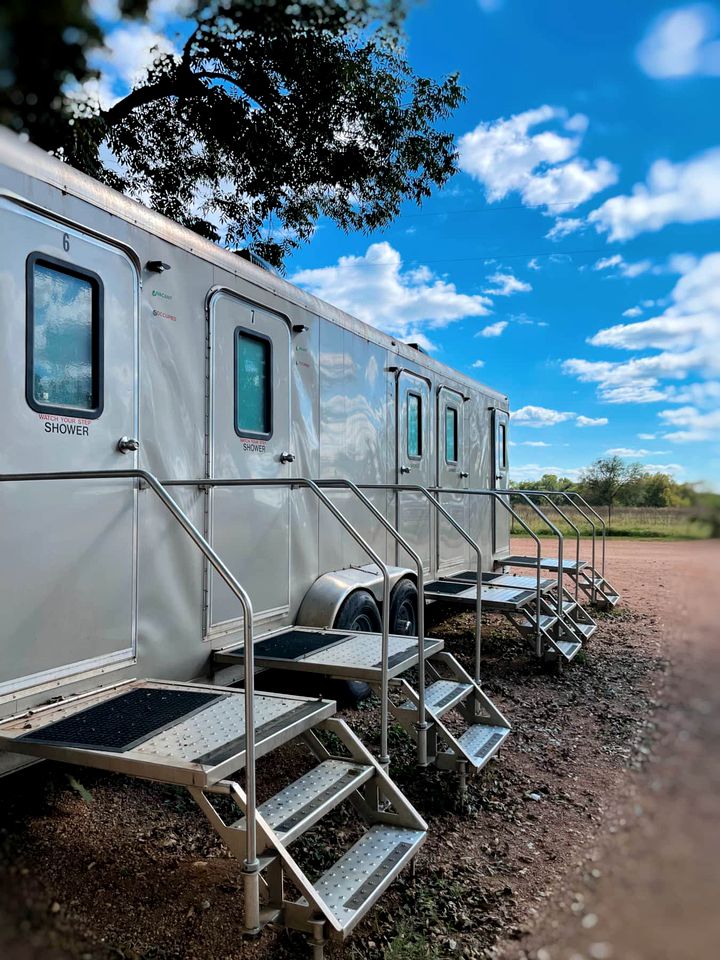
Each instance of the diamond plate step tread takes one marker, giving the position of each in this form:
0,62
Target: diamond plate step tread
300,805
480,742
343,654
441,697
516,580
546,563
587,629
568,648
493,598
546,622
351,886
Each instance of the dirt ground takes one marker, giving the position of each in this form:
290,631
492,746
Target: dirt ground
594,834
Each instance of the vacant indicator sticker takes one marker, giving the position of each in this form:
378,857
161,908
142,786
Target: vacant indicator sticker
65,426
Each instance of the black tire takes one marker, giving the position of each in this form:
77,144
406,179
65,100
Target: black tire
359,612
403,609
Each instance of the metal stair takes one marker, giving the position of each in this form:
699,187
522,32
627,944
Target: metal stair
477,729
204,746
598,590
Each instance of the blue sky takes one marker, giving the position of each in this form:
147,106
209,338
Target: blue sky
574,262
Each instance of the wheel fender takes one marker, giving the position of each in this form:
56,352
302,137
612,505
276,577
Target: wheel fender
321,603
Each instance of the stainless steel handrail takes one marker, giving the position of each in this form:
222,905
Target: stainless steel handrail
422,725
538,546
566,495
603,524
345,523
417,488
546,495
251,865
560,539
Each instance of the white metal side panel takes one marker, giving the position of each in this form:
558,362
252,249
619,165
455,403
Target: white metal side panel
68,584
249,526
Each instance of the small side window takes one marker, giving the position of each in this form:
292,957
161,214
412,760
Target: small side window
451,434
414,426
253,384
64,338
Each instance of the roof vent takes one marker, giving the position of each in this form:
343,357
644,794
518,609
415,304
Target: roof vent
416,346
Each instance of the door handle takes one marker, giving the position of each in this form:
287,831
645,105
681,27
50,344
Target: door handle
286,457
128,445
404,469
464,474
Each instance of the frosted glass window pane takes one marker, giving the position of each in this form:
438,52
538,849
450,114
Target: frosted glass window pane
414,428
252,384
63,370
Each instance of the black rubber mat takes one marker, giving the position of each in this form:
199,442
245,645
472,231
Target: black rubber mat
296,643
449,587
124,721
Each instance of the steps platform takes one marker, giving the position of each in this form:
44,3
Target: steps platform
464,594
515,580
188,734
335,653
546,563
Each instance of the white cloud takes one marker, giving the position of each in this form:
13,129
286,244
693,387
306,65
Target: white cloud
671,468
493,329
563,227
695,426
533,471
513,155
627,452
632,312
534,263
647,436
682,42
686,335
534,443
375,288
478,364
625,269
530,416
674,193
505,284
591,421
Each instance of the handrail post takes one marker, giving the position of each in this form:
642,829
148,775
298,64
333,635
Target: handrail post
422,722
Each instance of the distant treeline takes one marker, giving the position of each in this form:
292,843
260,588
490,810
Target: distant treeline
613,483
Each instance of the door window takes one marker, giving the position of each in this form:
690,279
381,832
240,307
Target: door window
253,384
451,434
64,338
502,444
414,426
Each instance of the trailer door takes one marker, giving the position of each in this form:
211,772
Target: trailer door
415,457
249,438
501,520
68,393
453,475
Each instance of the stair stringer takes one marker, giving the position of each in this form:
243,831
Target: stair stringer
274,855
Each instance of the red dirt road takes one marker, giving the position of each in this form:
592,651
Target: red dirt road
657,893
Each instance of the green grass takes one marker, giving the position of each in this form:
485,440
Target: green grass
642,523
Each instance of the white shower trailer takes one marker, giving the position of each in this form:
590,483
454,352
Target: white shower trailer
131,342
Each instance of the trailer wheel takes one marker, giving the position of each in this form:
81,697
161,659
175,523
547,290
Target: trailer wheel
359,612
403,609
